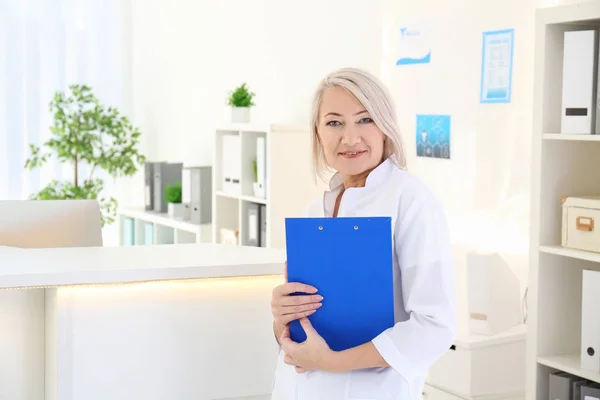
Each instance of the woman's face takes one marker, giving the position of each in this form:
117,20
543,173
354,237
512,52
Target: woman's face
351,141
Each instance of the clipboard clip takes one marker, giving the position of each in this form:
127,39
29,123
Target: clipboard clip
321,227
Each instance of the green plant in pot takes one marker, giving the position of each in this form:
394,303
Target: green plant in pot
87,133
173,198
241,100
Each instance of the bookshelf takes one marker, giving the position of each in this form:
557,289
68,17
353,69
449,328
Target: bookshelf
288,180
563,165
140,227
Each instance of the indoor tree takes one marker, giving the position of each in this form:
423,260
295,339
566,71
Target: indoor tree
85,132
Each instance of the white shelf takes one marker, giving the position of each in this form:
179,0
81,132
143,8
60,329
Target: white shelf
569,363
157,228
289,183
252,199
577,254
562,165
576,13
563,136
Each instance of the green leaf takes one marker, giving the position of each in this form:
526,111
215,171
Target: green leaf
241,97
173,193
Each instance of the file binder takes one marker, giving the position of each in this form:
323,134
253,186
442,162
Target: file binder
590,321
349,260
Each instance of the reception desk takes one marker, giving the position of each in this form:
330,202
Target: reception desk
144,322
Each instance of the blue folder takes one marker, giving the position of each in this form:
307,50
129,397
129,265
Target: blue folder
349,261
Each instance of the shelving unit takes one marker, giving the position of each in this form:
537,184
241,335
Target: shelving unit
140,227
289,182
563,165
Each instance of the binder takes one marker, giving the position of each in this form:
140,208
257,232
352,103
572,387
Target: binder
349,260
263,225
252,227
579,83
165,174
197,194
261,165
560,386
590,321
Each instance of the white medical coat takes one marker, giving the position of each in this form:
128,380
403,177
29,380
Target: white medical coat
424,292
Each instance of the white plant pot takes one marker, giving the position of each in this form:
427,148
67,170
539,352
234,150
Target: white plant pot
259,190
240,114
176,210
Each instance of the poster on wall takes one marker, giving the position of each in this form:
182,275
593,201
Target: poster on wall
433,136
413,45
496,66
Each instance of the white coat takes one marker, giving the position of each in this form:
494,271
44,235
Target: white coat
423,289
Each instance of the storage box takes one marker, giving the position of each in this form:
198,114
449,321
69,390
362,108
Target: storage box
581,223
483,366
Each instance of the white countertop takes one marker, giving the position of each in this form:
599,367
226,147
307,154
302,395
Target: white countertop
106,265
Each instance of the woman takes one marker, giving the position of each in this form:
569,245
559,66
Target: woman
355,133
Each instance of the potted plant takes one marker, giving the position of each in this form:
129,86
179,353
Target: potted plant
86,133
173,198
240,100
259,189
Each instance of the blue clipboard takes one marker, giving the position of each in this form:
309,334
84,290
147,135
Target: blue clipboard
349,261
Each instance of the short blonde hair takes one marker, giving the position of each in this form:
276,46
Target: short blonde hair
376,99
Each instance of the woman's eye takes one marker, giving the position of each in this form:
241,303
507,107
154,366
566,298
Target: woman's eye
365,120
333,123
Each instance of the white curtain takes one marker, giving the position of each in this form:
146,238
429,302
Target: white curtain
46,45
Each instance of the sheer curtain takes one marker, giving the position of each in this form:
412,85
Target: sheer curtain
46,45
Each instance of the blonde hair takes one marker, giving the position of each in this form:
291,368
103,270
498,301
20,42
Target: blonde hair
376,99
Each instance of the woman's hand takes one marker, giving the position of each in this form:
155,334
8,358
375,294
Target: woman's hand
312,354
287,308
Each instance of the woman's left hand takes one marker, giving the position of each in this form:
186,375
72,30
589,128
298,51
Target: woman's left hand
312,354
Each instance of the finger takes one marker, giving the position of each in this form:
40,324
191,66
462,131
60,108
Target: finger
294,287
289,360
288,345
301,370
286,319
285,310
298,300
307,326
285,334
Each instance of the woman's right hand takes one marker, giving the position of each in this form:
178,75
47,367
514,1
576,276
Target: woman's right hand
287,308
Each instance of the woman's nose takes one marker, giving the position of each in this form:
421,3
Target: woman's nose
351,136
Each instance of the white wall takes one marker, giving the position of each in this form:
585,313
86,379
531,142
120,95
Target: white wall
187,55
485,185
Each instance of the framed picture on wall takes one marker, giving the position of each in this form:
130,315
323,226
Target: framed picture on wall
433,136
496,66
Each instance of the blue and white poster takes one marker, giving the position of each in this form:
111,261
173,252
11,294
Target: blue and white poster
413,46
496,66
433,136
